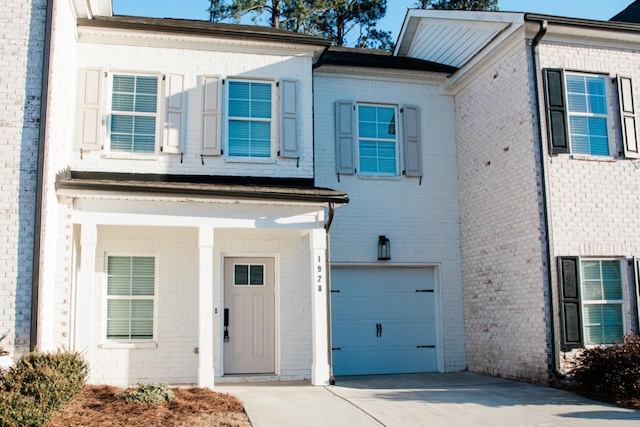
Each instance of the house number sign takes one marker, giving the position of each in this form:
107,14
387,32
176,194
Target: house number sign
319,272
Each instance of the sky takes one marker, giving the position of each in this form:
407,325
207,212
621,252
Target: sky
396,9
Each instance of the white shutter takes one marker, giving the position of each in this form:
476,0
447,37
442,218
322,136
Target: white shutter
412,140
90,121
289,120
211,116
345,138
628,118
174,123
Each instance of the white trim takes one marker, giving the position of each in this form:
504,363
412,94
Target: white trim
273,120
159,116
396,142
104,341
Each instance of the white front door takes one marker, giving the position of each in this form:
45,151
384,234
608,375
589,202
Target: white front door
249,342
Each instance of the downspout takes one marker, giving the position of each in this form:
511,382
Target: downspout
37,232
327,226
543,182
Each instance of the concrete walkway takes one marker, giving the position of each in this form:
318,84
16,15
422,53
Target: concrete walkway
458,399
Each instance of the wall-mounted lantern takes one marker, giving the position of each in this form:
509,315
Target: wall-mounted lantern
384,249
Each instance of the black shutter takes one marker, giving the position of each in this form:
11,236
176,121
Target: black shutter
556,110
569,282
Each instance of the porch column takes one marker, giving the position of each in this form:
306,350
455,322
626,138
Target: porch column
84,295
205,307
319,333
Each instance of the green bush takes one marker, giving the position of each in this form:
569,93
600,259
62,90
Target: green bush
38,386
611,372
147,393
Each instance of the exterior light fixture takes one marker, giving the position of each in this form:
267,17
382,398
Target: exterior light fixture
384,249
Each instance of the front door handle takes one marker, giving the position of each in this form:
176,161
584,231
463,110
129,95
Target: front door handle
226,325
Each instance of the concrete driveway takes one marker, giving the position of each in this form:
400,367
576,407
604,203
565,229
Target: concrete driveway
457,399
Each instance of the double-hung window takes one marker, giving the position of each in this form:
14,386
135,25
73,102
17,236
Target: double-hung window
601,288
587,105
592,299
377,139
250,119
130,297
134,113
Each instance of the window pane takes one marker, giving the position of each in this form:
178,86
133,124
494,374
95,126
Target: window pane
130,276
249,138
377,139
131,132
257,275
603,323
241,275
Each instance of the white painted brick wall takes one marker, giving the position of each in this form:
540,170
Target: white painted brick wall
501,247
421,221
22,25
193,63
176,249
594,202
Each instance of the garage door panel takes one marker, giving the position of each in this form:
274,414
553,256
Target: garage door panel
387,297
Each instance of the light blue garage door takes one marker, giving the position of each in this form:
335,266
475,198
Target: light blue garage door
383,320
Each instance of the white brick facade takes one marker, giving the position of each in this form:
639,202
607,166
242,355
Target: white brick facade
22,29
501,248
593,200
419,216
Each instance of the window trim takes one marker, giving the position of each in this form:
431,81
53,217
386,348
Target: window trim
130,343
570,298
397,141
274,120
608,117
621,303
159,114
249,265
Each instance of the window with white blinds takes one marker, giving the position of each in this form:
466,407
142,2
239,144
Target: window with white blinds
134,113
131,297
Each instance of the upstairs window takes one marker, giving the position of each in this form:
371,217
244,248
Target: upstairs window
377,139
588,114
250,119
134,113
130,297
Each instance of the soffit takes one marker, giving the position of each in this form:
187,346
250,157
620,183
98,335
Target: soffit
453,37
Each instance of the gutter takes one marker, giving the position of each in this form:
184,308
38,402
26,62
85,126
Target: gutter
37,232
327,226
545,204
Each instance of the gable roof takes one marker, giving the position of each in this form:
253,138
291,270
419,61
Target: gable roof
630,14
373,58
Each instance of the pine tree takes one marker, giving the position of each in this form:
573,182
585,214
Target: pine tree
458,4
334,19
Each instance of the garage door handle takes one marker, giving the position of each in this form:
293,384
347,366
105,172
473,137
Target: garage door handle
426,346
424,290
378,330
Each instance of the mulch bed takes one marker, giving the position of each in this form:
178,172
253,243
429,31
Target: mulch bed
197,407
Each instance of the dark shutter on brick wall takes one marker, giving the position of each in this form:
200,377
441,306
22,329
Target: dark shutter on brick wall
627,118
556,110
569,282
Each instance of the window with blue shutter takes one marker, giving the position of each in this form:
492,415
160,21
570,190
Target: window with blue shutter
134,113
377,139
130,297
250,119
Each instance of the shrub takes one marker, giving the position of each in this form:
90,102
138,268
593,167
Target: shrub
611,372
147,393
38,386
